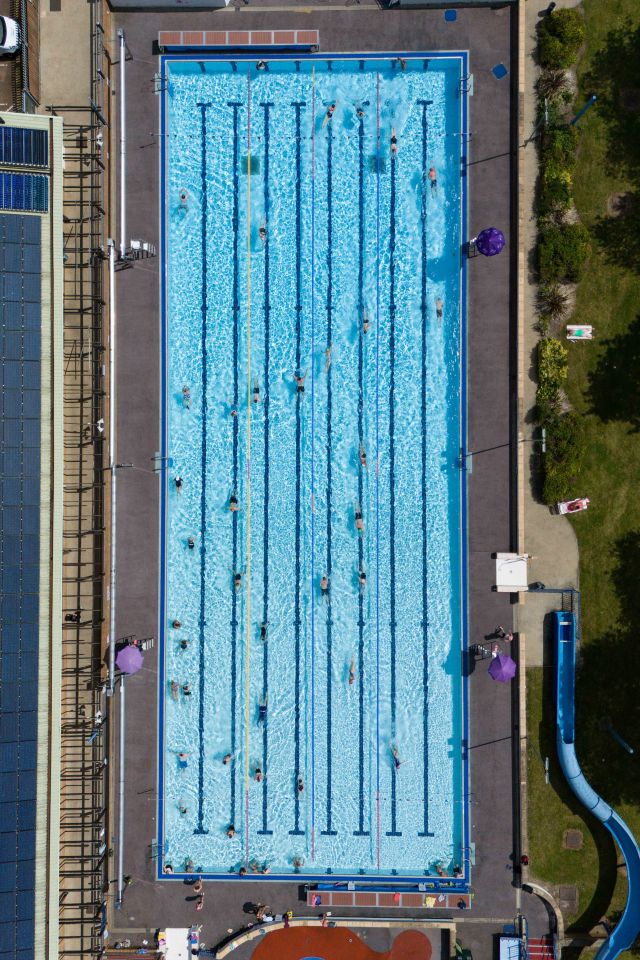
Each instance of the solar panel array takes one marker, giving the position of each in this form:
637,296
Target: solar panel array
20,326
24,191
21,147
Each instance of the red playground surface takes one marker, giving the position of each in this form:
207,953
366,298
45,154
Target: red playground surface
321,943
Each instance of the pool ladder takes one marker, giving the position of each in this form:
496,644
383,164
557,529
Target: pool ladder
465,85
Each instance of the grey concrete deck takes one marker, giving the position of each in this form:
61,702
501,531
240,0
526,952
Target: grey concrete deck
488,36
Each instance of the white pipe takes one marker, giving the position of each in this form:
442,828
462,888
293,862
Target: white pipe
123,150
112,463
121,800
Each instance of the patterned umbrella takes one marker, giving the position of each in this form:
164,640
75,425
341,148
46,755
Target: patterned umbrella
129,659
489,242
502,668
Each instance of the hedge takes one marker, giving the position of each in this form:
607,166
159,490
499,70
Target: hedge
564,457
559,39
559,145
555,191
562,252
553,367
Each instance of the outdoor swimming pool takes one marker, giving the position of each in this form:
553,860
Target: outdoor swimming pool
300,246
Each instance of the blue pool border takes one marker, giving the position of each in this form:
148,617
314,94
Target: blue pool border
426,883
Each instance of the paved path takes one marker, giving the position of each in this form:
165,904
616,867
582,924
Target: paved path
550,540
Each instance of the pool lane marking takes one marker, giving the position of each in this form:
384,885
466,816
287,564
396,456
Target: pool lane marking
425,832
297,621
266,106
377,469
248,630
329,831
313,401
360,832
394,832
234,515
203,491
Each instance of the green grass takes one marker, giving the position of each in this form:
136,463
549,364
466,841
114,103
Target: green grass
603,386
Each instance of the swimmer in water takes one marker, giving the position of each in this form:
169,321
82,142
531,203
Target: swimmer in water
299,379
324,587
433,179
394,141
396,757
191,543
300,784
331,109
263,632
186,397
360,112
174,689
439,308
365,322
258,775
359,520
184,197
255,396
178,482
261,65
233,503
226,759
327,358
403,63
352,673
262,711
362,580
237,582
363,457
262,233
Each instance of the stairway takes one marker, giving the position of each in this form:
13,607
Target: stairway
540,948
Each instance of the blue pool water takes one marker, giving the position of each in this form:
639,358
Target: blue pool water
350,229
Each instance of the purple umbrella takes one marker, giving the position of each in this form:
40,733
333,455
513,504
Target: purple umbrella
129,659
502,668
489,242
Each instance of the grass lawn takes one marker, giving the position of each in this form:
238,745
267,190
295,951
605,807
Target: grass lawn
604,386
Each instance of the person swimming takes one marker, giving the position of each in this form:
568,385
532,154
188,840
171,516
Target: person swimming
263,632
439,308
299,379
186,397
324,586
262,711
362,579
233,503
262,233
255,397
191,543
363,457
178,482
174,689
237,581
331,109
396,757
433,178
394,140
352,673
300,785
359,520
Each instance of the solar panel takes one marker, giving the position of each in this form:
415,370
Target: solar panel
20,402
24,191
24,147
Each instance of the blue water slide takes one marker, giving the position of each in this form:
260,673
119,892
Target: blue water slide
628,928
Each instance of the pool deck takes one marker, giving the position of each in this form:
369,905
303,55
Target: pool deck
488,35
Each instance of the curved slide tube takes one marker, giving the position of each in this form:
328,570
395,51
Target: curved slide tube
628,928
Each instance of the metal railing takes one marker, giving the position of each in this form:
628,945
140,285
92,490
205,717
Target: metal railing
84,801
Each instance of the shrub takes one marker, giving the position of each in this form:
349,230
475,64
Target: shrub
552,303
559,146
555,191
560,37
562,252
552,373
552,84
564,457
